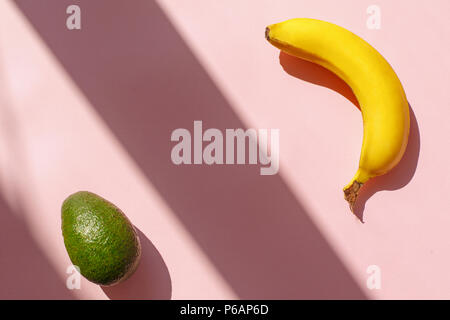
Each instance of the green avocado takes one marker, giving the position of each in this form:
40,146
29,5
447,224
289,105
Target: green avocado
99,238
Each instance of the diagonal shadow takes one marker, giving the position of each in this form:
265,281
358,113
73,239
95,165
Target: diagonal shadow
395,179
144,81
25,271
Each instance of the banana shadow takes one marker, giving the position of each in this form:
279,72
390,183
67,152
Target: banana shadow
311,72
398,177
150,281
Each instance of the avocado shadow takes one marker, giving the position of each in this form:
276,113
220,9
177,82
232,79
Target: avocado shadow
150,281
395,179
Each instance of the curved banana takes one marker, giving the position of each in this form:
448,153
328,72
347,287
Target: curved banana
380,94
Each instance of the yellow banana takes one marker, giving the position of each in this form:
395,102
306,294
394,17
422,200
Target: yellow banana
380,94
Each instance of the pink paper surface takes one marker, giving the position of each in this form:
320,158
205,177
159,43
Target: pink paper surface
93,109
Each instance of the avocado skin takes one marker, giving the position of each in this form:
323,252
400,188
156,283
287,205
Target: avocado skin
99,238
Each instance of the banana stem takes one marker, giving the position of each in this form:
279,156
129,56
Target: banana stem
351,193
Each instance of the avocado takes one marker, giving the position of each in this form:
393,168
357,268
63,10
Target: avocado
99,238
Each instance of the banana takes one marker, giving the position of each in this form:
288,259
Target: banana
383,103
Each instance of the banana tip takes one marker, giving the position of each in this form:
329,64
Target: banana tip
266,34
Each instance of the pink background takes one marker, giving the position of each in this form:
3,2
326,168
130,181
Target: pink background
94,110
